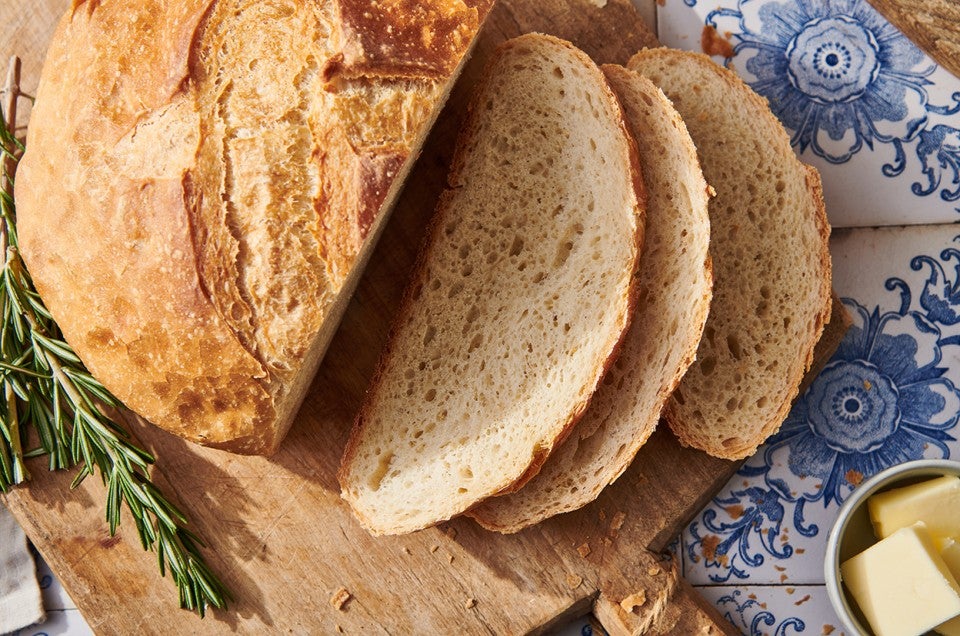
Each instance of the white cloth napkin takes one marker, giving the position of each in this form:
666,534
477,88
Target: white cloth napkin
20,600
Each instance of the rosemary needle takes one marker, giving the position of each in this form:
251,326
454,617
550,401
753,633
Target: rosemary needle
46,388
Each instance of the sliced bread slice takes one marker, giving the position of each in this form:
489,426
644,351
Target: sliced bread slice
769,243
674,283
519,302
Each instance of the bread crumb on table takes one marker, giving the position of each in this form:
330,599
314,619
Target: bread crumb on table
471,603
338,628
632,602
617,522
434,548
340,598
654,570
574,581
584,550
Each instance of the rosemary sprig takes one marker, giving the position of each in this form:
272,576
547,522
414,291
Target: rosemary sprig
46,388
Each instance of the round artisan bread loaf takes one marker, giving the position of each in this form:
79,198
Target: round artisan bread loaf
771,262
674,283
199,183
520,299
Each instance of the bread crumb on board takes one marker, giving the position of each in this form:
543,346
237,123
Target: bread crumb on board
617,522
471,603
584,550
434,548
574,581
338,628
654,570
340,598
634,601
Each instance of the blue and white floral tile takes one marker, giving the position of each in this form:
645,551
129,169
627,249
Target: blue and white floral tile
888,395
54,596
62,616
878,117
61,622
781,611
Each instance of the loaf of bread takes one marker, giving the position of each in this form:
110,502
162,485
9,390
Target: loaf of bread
674,296
769,243
204,180
520,299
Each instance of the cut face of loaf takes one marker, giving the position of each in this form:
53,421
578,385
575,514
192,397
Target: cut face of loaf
522,294
674,284
769,243
200,183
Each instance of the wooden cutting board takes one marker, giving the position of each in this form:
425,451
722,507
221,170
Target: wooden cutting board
279,534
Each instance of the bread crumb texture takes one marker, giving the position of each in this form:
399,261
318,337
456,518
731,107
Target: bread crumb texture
522,296
674,284
771,264
633,602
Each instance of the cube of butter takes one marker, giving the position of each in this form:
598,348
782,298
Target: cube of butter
902,584
950,551
935,502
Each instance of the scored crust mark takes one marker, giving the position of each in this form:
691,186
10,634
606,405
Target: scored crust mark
291,179
770,256
674,288
256,176
519,300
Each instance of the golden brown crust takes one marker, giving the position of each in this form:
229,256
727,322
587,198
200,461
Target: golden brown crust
403,38
122,281
146,166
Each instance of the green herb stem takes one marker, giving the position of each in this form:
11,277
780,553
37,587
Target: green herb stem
46,388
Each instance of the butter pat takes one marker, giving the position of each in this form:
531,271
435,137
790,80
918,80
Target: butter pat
950,551
935,502
902,584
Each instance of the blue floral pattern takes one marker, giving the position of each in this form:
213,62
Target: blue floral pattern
875,405
841,78
883,399
752,618
837,74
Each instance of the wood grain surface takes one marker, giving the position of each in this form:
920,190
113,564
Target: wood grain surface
279,534
933,25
